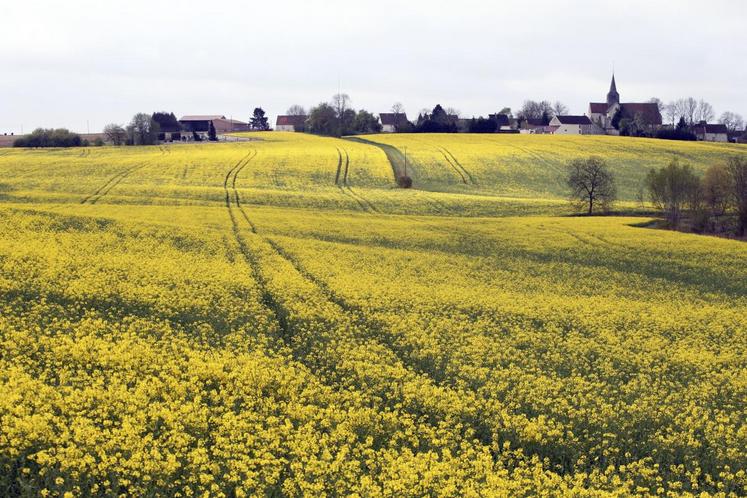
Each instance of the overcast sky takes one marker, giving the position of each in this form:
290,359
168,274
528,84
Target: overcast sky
66,63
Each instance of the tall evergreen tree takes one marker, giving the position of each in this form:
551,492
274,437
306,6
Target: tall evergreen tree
258,120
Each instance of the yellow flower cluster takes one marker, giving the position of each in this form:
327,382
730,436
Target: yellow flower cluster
176,322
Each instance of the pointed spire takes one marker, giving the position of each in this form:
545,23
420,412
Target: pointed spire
612,96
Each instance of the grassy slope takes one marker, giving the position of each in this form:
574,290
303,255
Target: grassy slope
533,165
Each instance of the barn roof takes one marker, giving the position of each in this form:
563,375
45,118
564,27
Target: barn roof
574,120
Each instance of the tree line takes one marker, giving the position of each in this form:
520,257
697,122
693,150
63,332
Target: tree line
713,203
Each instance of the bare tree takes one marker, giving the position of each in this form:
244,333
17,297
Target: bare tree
559,108
115,134
143,130
453,112
672,112
398,109
296,110
689,109
733,121
591,184
704,112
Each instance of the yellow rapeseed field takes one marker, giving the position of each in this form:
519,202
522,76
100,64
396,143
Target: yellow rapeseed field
238,319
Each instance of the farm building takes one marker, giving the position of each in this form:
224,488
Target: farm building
290,123
201,124
390,121
602,114
572,125
711,132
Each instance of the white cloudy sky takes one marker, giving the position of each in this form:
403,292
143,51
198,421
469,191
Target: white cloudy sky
69,63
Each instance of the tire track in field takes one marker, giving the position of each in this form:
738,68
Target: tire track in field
369,330
452,160
110,184
345,188
266,297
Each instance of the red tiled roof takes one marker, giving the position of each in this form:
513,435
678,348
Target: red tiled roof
598,107
574,120
291,120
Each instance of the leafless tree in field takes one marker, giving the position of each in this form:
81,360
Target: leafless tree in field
115,134
591,184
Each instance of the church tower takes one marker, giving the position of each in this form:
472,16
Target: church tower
612,96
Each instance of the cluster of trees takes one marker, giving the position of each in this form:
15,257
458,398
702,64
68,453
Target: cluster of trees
717,202
541,109
59,137
143,129
338,118
692,111
438,120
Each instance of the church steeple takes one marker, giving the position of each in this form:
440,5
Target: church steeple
612,96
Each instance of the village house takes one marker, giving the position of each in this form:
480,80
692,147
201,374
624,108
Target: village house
290,123
534,126
572,125
390,121
504,122
200,125
711,132
602,114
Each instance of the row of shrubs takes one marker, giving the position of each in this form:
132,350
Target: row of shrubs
59,137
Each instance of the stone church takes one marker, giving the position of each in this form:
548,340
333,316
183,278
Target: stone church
603,113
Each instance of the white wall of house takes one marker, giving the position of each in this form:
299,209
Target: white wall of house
388,128
567,129
714,137
285,128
